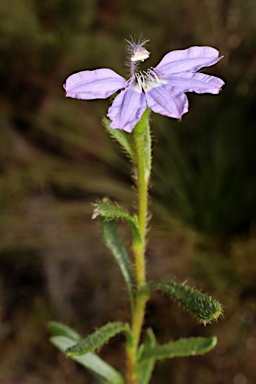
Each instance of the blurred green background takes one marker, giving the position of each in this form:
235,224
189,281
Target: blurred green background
56,158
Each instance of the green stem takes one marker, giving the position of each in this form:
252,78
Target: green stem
142,144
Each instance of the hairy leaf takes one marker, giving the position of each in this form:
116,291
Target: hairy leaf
146,367
97,338
180,348
110,211
115,245
91,361
122,137
142,130
202,306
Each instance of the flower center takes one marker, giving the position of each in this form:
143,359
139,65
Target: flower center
146,80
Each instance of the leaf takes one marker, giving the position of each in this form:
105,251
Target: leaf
122,137
91,361
142,137
146,367
204,307
59,329
180,348
110,211
97,338
115,245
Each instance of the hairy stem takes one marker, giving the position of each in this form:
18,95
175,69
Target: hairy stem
141,135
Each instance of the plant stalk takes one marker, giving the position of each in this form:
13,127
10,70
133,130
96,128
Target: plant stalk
142,145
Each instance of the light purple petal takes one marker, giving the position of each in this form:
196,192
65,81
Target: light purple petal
191,59
167,101
127,109
195,82
96,84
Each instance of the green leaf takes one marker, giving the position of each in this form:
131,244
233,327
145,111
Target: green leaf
202,306
59,329
180,348
110,211
146,367
91,361
142,132
97,338
122,137
115,245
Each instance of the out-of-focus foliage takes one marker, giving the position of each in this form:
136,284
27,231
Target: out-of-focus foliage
209,180
56,158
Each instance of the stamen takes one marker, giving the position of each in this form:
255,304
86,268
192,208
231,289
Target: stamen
152,75
146,80
140,80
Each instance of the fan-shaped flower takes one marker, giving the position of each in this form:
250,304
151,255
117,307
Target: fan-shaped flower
162,88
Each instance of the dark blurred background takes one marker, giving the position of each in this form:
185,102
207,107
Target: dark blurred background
56,158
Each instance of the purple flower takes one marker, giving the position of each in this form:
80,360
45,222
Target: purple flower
162,89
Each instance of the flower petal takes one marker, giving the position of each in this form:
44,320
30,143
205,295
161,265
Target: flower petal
96,84
127,109
167,101
195,82
191,59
